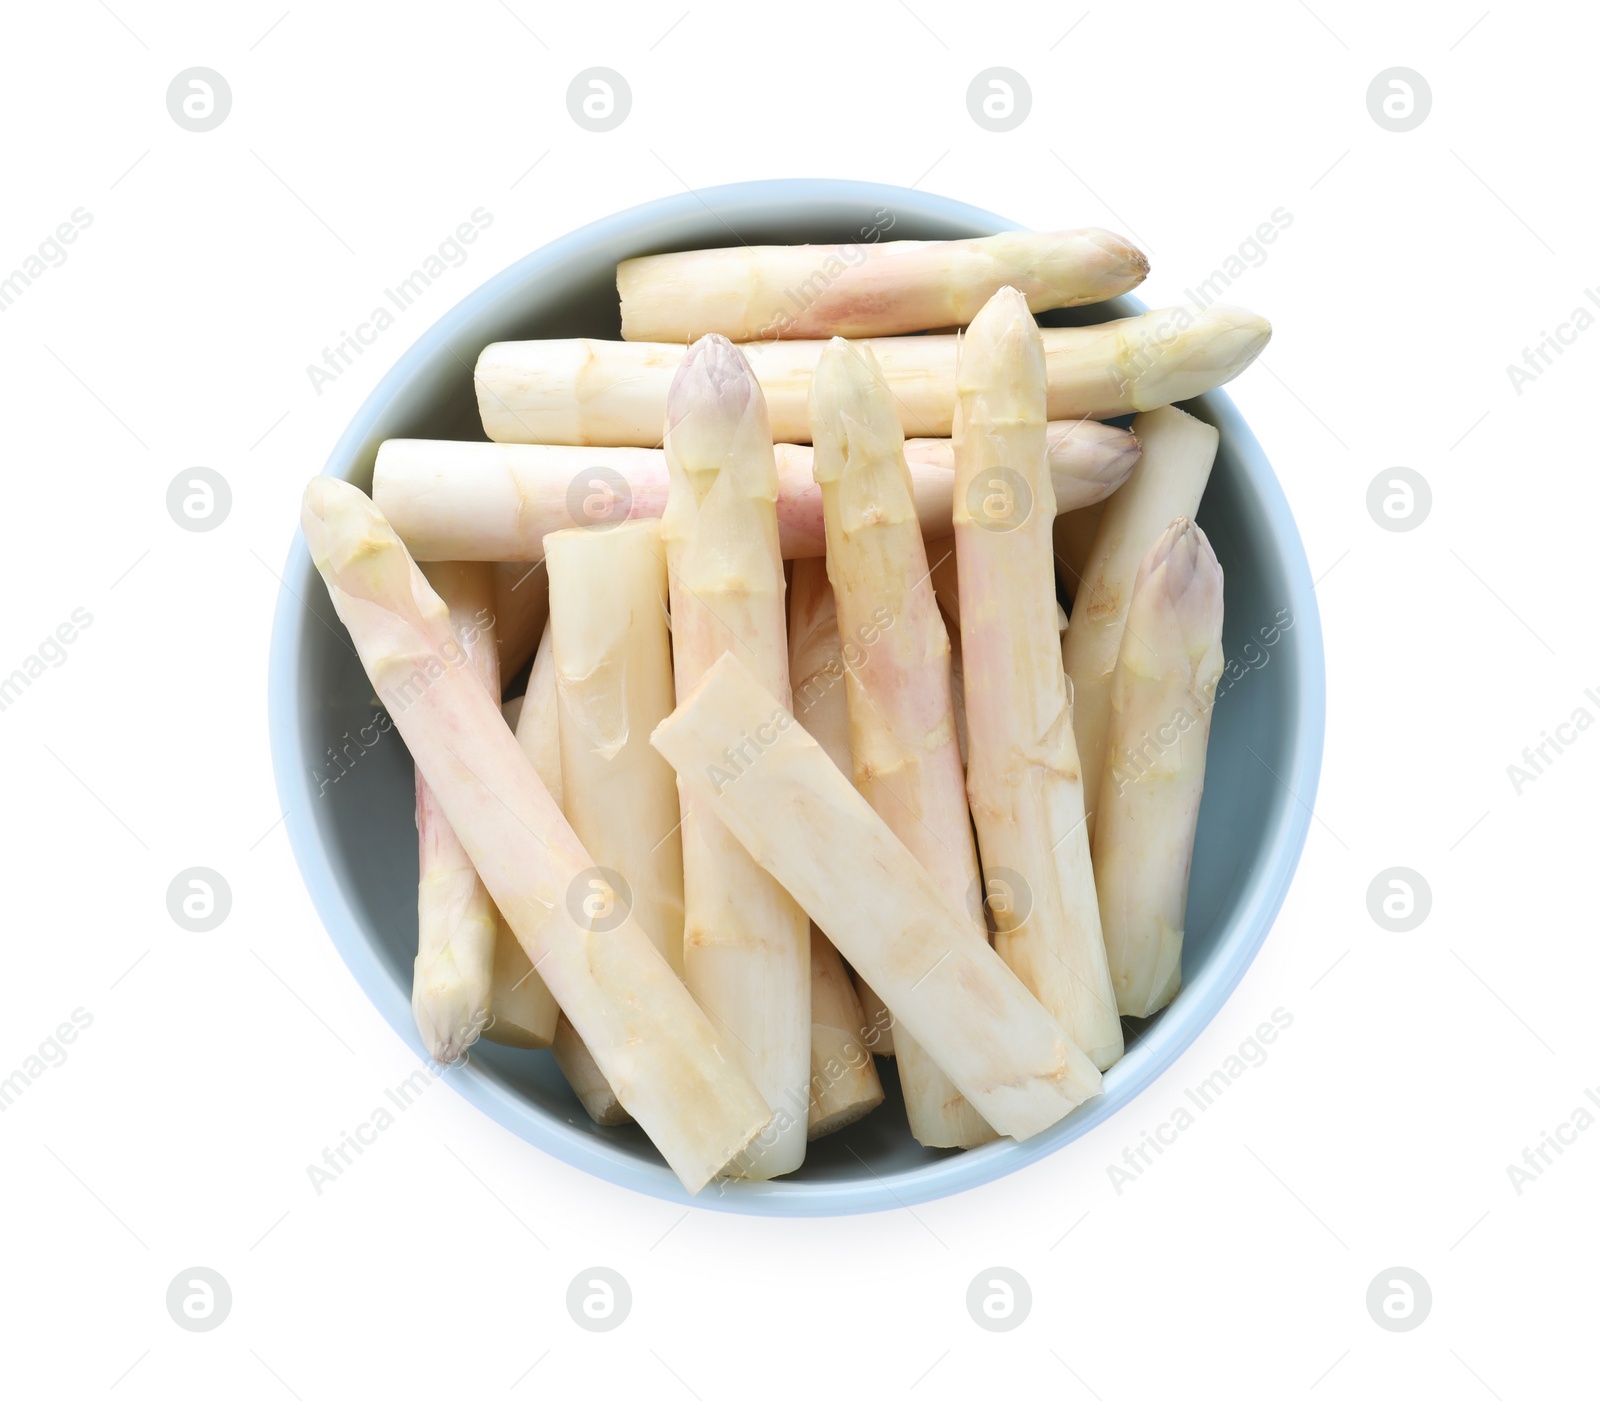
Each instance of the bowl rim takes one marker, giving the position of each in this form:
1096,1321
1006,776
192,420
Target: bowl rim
1267,885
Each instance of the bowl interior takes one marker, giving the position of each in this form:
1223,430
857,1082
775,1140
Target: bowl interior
349,795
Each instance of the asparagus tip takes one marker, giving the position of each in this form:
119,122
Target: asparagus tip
331,512
1176,353
851,408
1183,564
714,376
1124,262
1002,343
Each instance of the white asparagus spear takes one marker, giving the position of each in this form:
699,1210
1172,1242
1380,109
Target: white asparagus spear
656,1048
453,971
538,725
746,944
1161,697
816,673
538,734
521,605
572,1058
877,1021
613,665
865,289
907,763
499,500
521,1010
817,679
598,393
805,822
844,1081
1178,451
947,590
456,919
1022,764
816,669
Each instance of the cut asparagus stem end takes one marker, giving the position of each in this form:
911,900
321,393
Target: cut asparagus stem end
844,1081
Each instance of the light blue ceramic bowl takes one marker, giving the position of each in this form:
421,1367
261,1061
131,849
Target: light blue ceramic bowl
356,844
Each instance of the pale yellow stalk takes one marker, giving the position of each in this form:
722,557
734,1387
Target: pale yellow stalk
613,393
805,822
613,666
816,673
498,501
594,1093
538,732
1162,693
669,1066
816,669
1022,764
746,944
844,1081
907,762
1171,474
867,288
521,1010
456,919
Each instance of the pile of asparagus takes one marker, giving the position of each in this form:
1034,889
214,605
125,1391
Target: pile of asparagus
799,695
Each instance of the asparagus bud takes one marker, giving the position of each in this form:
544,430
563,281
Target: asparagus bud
600,393
805,822
668,1065
865,289
499,500
746,944
907,763
1161,697
1022,761
1166,483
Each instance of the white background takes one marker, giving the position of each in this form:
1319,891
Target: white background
1418,1065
